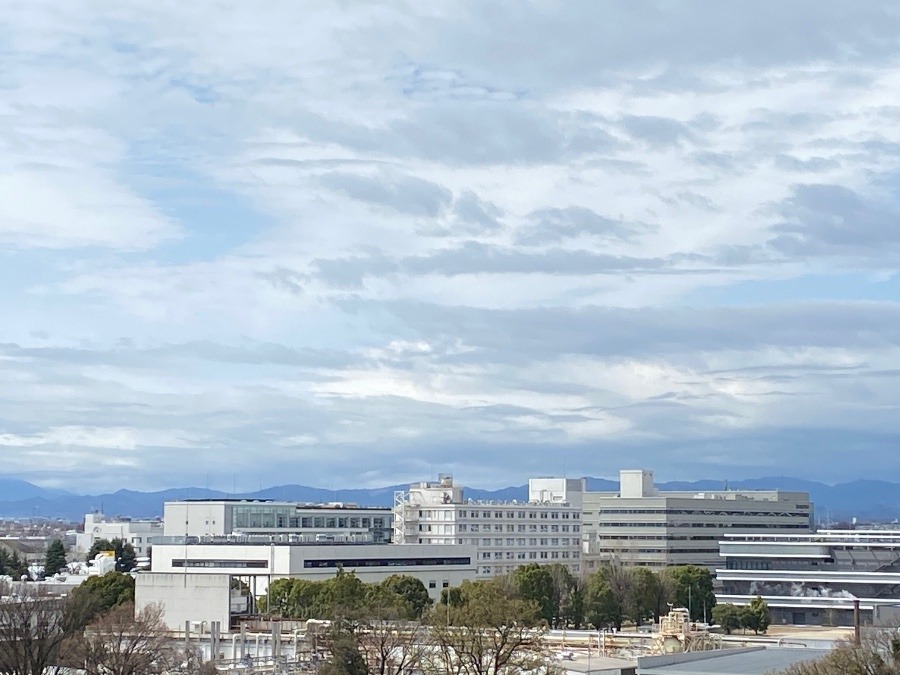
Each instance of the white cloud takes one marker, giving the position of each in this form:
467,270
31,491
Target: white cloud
344,234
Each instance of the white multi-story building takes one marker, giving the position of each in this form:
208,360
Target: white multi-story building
138,533
192,580
327,522
545,529
641,525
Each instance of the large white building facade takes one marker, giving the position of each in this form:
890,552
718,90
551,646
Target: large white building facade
813,578
326,522
180,567
640,525
504,535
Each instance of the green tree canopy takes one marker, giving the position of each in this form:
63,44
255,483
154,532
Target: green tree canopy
727,616
568,596
55,558
601,608
693,589
755,616
410,590
96,596
644,598
535,583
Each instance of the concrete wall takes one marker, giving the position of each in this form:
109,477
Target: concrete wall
185,597
195,519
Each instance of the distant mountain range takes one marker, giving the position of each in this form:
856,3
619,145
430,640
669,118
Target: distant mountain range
868,500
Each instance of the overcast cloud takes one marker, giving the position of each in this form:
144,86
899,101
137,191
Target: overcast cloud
358,244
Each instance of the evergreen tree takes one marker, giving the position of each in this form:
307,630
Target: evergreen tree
534,582
755,616
411,590
96,596
728,617
55,558
12,565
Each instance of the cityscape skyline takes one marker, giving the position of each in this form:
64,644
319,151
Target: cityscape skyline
366,244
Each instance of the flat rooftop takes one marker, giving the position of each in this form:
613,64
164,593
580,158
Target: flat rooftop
275,502
752,661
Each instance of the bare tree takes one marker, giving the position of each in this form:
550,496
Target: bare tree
122,643
491,632
391,647
878,654
32,628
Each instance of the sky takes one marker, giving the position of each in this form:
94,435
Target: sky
359,244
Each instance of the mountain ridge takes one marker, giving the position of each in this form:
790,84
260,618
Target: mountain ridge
866,499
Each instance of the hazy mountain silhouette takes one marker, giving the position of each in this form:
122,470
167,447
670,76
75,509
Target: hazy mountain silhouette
864,499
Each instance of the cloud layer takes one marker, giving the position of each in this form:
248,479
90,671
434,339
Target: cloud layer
357,245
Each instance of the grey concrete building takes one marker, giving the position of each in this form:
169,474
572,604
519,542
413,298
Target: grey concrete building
644,526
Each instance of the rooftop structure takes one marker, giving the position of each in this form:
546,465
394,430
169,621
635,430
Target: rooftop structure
813,578
506,534
642,525
221,517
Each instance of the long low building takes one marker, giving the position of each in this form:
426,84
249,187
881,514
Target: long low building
257,563
813,578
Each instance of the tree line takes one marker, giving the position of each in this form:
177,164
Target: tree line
614,594
479,627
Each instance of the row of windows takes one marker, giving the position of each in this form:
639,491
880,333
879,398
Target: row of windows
510,515
656,550
801,526
247,517
657,537
526,555
500,569
498,541
243,564
386,562
706,512
475,527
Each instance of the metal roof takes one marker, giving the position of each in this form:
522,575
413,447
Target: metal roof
730,662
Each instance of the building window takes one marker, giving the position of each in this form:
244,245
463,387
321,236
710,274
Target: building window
432,584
